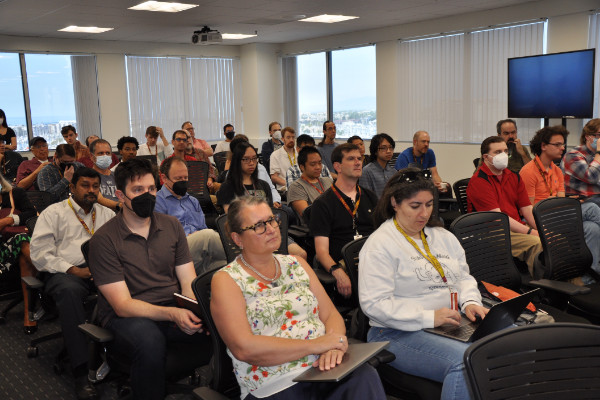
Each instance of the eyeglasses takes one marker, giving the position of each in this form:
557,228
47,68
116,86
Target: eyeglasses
261,226
385,148
411,176
180,139
252,160
557,144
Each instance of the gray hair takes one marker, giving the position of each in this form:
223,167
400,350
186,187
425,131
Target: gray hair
234,219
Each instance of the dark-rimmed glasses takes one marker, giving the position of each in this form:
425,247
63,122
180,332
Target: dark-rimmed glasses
411,176
558,144
248,160
261,226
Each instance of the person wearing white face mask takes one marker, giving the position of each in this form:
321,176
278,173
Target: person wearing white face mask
493,187
102,159
274,143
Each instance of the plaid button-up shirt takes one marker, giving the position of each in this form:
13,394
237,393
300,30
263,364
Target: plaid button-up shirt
582,172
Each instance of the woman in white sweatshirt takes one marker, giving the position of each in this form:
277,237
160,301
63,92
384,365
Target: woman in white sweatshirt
413,275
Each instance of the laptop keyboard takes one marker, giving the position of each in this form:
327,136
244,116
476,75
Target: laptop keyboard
462,332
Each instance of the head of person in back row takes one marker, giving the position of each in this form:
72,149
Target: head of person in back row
357,140
517,153
69,133
199,144
128,147
229,133
283,158
378,171
274,143
327,144
421,156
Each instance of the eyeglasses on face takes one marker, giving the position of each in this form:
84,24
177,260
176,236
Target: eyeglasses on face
385,148
180,139
261,226
248,160
557,144
411,176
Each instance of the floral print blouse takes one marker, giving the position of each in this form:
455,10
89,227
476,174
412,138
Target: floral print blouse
285,308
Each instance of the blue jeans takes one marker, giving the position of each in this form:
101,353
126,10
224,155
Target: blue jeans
590,212
429,356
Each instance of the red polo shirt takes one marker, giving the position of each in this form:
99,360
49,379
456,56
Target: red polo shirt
486,192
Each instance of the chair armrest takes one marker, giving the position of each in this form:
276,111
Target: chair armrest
97,333
32,282
206,393
383,357
325,277
558,286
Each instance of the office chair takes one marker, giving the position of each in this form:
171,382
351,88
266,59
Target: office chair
395,382
549,361
149,157
220,160
40,200
485,237
460,191
197,187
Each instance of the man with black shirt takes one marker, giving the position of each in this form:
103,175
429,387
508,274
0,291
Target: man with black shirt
342,213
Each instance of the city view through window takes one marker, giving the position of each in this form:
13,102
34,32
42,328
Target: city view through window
353,87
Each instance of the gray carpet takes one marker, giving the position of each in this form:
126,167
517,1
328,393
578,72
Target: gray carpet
34,378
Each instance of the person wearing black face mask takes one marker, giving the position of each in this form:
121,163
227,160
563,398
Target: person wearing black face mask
139,259
229,133
172,199
56,176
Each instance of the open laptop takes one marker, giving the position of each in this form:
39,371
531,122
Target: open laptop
357,355
500,316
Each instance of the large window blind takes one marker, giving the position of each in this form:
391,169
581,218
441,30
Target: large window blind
594,43
167,91
455,87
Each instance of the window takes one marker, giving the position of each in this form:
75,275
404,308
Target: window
312,93
167,91
13,103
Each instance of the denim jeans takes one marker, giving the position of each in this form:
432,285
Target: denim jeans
429,356
590,212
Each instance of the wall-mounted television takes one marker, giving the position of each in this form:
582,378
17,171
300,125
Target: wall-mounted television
554,85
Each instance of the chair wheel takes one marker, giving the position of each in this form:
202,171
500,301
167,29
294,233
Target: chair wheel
58,368
32,351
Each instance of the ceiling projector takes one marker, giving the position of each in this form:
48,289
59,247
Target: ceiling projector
206,36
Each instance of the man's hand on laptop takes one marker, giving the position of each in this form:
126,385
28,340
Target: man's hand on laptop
472,311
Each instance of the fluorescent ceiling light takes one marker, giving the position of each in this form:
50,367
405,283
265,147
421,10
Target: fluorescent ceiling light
162,6
328,19
236,36
85,29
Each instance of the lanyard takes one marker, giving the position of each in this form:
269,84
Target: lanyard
290,158
253,190
82,221
543,174
150,150
420,160
316,188
351,212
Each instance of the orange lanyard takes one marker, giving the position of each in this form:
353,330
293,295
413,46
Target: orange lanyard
351,212
82,221
316,188
544,174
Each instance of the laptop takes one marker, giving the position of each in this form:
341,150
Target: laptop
500,316
356,355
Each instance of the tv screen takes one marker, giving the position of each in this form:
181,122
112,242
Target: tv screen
552,85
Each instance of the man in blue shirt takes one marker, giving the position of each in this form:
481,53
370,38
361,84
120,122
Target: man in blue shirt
172,199
421,156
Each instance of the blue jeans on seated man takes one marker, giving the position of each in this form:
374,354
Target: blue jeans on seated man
144,341
590,212
429,356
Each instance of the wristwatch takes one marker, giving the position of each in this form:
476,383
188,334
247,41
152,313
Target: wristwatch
334,267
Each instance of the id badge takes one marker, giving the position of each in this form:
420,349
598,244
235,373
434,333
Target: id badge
453,300
357,236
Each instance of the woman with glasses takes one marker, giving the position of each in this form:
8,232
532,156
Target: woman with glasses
378,171
414,275
275,317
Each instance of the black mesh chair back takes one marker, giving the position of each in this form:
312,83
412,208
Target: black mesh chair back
150,158
560,226
30,224
538,361
392,162
485,236
40,200
232,250
220,160
197,185
223,379
460,192
350,256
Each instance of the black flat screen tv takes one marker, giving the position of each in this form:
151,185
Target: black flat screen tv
554,85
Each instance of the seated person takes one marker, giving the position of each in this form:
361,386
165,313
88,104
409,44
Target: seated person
14,247
582,164
543,179
421,156
274,143
357,140
376,174
69,133
243,180
7,134
199,145
327,145
127,147
403,288
101,158
9,162
223,145
29,169
268,354
311,184
518,155
87,161
283,158
172,199
293,173
341,214
56,177
494,187
56,243
160,149
199,155
139,259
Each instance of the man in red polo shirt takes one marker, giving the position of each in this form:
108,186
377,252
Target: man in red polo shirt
493,187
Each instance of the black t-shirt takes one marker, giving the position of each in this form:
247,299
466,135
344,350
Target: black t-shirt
6,138
226,195
10,164
329,218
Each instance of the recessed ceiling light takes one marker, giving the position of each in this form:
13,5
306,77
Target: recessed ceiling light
236,36
85,29
328,19
162,6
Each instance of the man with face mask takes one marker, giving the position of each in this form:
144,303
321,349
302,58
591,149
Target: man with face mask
494,187
56,176
274,143
229,133
101,157
139,259
172,199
